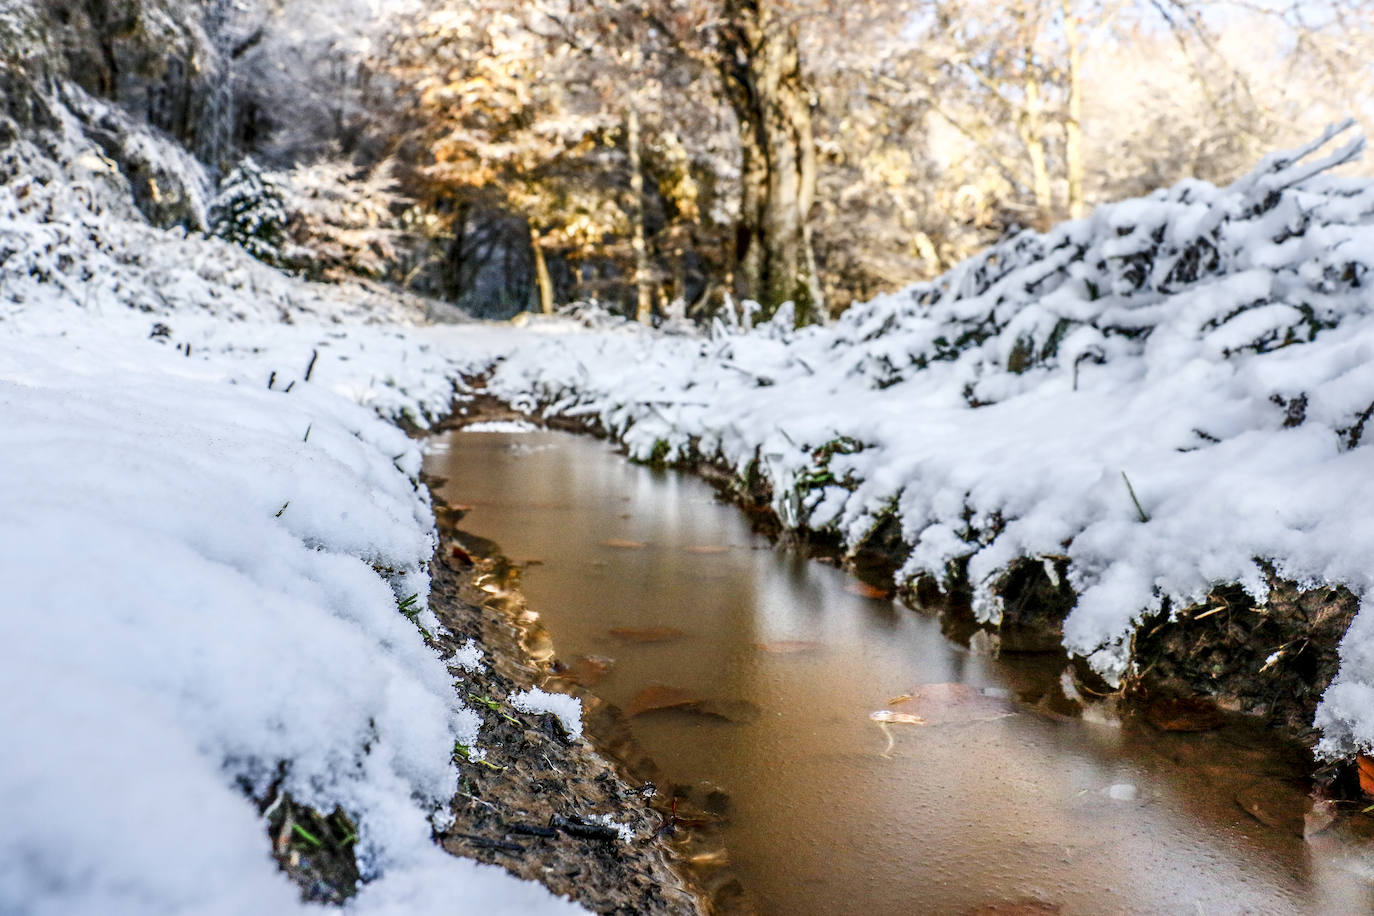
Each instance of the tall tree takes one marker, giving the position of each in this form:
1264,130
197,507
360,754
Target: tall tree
760,67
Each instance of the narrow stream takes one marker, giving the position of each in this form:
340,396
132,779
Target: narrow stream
992,801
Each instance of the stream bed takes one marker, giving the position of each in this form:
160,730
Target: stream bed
752,669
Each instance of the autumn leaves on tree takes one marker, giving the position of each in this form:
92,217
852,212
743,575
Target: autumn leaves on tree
661,154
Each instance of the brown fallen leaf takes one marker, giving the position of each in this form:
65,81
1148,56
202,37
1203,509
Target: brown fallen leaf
587,670
706,549
624,545
1365,765
660,697
1186,714
899,698
462,556
738,711
787,646
646,634
864,590
1276,804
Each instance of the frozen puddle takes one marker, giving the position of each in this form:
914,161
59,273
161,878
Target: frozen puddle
870,764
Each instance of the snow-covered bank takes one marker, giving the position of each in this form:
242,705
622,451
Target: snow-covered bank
193,611
1167,394
213,588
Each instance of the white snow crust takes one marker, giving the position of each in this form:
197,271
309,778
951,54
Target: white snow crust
567,709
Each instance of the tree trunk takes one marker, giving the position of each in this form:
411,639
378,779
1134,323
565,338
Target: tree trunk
1033,137
643,282
761,69
1073,126
541,272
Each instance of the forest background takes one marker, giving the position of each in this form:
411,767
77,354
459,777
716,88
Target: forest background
663,157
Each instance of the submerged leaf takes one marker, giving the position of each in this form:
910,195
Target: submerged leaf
1185,714
660,697
864,590
646,634
587,670
624,545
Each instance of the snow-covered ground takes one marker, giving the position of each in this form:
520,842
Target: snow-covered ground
203,553
203,577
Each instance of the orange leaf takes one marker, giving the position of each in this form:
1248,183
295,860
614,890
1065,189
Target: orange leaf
624,545
864,590
1366,767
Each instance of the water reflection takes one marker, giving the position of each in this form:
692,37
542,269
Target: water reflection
972,811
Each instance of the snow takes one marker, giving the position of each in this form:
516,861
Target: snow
567,709
500,426
469,657
204,552
203,576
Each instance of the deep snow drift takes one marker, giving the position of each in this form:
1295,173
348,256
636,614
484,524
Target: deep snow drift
205,553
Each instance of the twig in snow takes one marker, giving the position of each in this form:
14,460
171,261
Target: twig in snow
1131,490
314,355
271,379
308,427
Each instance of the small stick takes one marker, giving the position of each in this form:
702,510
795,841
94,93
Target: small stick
1131,490
314,355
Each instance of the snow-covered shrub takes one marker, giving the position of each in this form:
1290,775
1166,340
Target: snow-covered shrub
341,222
250,211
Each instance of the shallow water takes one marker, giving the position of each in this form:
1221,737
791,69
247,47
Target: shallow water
990,801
